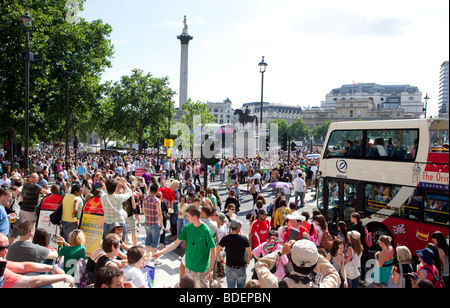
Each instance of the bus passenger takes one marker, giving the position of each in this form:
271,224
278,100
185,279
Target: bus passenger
378,149
413,152
344,151
355,150
379,142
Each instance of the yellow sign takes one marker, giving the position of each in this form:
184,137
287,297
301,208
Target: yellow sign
168,152
92,226
168,143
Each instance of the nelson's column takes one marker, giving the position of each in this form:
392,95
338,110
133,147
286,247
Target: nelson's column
184,38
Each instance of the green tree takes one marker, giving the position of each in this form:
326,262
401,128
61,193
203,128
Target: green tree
299,130
283,126
141,106
82,48
320,132
102,118
191,109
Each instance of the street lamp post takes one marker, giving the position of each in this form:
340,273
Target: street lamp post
27,25
426,98
262,69
67,75
170,107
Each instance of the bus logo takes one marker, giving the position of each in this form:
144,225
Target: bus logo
341,166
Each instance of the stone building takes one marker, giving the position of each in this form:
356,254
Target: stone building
348,110
383,96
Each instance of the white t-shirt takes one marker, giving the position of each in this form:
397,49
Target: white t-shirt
134,275
299,184
382,150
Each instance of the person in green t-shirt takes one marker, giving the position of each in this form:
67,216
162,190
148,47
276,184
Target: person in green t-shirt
72,251
209,193
200,248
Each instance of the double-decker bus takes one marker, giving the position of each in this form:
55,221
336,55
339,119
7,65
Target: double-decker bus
394,173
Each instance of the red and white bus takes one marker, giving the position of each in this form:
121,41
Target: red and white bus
395,173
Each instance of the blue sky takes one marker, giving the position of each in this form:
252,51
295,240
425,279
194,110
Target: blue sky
311,46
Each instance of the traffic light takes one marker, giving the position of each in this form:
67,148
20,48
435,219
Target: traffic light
293,145
284,141
6,146
267,145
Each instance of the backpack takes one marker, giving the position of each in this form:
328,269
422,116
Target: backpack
305,280
438,281
368,237
326,240
270,209
56,216
128,207
283,215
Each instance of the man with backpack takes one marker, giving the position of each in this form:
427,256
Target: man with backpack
304,259
70,207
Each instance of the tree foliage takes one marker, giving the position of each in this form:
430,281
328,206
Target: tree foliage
320,132
191,109
298,130
141,107
82,48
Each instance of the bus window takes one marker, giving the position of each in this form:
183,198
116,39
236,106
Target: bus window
439,140
349,200
344,144
378,196
411,208
392,144
333,202
320,188
436,209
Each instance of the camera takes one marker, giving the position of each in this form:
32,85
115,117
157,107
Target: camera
412,276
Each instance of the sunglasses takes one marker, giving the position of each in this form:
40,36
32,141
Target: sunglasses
4,247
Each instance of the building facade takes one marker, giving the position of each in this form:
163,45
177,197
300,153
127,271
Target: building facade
383,96
444,90
352,110
222,111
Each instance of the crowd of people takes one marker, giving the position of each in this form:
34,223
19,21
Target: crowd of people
290,246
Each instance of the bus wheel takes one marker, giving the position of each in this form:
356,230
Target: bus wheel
377,230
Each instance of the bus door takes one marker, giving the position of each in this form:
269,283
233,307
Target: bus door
338,201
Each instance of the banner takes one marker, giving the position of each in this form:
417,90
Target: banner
48,205
92,224
139,172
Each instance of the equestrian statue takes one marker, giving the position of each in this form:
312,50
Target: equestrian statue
245,117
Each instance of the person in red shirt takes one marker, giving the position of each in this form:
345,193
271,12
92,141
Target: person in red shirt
259,229
295,220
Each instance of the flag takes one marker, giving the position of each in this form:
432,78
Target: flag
355,82
399,229
422,235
